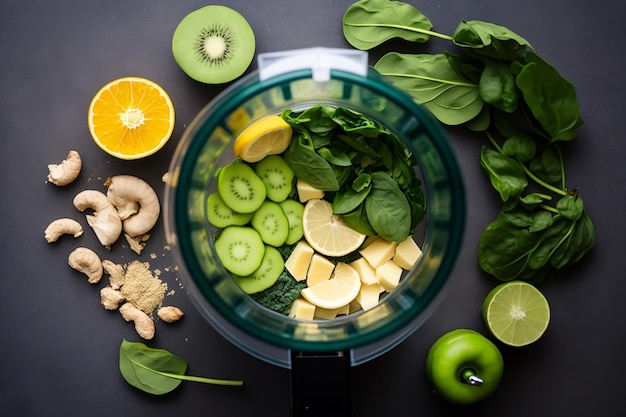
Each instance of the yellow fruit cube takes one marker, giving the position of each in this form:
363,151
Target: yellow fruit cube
369,295
389,275
302,309
379,251
307,192
320,269
367,273
407,254
298,262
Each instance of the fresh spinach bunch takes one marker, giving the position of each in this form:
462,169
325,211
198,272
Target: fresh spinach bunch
366,171
157,371
497,84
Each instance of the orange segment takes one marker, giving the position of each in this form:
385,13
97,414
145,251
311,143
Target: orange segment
131,118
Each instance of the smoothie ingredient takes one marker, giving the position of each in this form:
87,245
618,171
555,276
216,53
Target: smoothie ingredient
271,223
110,298
240,187
301,309
60,227
326,232
277,177
131,118
116,273
336,292
136,202
104,220
266,275
307,192
496,84
280,296
294,211
144,325
365,171
157,371
464,367
298,261
270,135
221,216
241,249
67,171
214,44
516,313
88,262
170,314
141,288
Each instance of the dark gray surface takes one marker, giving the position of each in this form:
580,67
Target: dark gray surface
59,347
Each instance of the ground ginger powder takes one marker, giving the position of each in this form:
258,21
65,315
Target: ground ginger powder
144,290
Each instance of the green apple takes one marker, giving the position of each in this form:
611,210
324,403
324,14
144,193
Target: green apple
464,367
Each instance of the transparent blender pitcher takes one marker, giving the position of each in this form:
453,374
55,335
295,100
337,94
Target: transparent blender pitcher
297,80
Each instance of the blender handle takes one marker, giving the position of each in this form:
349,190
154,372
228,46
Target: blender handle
319,60
320,384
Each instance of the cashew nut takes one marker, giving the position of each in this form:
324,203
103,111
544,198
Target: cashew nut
136,202
105,221
170,314
110,298
67,171
137,243
86,261
61,227
116,272
144,325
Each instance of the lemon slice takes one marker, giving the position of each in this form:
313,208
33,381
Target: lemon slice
267,136
516,313
336,292
326,232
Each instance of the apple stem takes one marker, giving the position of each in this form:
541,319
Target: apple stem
469,376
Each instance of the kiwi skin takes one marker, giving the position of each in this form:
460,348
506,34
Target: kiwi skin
214,44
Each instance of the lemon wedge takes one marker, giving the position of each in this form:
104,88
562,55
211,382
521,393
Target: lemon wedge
338,291
326,232
267,136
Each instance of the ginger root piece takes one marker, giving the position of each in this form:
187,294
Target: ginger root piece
116,272
63,226
144,325
104,221
136,202
67,171
110,298
86,261
138,243
170,314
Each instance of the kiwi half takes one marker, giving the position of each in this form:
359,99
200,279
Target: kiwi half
214,44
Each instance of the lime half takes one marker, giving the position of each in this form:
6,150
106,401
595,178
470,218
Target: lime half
516,313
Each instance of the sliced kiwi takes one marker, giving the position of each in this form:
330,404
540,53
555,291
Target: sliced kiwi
271,223
214,44
293,209
240,187
277,177
240,249
220,215
266,275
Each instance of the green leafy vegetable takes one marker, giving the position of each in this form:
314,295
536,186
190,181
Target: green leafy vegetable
157,371
499,85
366,171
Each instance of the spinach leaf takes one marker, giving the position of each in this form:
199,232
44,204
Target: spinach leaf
433,82
349,199
157,371
497,86
551,98
505,173
368,23
308,165
520,147
490,40
578,240
387,208
570,206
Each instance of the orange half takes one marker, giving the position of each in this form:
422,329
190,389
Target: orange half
131,118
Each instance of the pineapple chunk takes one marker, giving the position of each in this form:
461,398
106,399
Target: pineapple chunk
302,309
307,192
325,313
389,275
369,295
365,270
407,254
298,262
379,251
320,269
